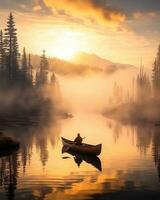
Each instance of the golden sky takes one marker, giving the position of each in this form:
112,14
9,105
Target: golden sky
119,30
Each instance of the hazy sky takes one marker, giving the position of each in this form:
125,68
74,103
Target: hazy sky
119,30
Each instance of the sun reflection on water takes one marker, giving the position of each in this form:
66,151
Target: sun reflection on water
128,160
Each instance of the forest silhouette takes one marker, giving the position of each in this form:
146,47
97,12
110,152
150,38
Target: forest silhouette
21,86
139,104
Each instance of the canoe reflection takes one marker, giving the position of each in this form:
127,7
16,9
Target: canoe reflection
79,158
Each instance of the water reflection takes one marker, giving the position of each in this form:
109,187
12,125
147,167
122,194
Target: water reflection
130,159
147,137
38,135
9,173
30,132
79,158
156,149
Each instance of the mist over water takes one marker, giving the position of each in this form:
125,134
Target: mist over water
129,158
90,93
85,88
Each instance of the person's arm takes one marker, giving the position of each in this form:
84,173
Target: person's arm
75,140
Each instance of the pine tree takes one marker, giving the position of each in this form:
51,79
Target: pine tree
156,74
42,75
53,78
2,63
30,70
44,68
24,65
143,86
11,49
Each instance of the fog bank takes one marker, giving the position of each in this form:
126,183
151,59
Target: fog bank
91,93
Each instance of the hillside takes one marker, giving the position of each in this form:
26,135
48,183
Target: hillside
84,64
95,60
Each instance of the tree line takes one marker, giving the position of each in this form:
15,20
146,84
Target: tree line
16,70
145,87
148,86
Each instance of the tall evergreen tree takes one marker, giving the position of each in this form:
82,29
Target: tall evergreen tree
53,78
143,86
30,69
24,65
42,75
44,68
11,49
2,63
156,74
3,73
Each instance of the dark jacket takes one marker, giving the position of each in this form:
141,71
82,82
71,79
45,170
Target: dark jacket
78,140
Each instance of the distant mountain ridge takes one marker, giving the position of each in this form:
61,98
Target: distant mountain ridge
90,59
81,64
64,67
95,60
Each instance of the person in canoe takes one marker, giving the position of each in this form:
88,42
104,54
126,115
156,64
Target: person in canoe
78,140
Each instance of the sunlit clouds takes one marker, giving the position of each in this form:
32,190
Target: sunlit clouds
89,9
116,30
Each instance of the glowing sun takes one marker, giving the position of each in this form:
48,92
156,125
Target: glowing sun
67,44
65,52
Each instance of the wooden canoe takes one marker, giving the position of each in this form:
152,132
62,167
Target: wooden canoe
84,148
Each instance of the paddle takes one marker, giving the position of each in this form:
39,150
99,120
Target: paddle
65,157
73,144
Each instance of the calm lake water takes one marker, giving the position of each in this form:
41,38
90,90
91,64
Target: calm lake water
130,161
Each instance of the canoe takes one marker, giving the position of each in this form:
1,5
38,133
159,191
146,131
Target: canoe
88,149
79,158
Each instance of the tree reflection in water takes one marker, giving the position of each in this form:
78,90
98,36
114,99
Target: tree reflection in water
9,173
145,136
146,139
35,132
156,149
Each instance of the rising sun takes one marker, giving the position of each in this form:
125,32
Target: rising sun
67,44
65,52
